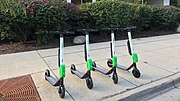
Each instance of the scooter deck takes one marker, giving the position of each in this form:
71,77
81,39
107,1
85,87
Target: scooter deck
53,81
126,68
103,71
79,74
122,67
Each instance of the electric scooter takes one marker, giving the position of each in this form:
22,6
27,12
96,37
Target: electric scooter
136,73
87,74
114,61
54,81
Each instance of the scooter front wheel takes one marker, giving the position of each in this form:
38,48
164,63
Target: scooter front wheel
109,62
89,82
136,73
61,91
115,78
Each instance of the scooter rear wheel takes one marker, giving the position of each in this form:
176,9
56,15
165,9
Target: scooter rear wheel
89,82
109,62
47,73
73,67
61,91
115,78
136,73
94,66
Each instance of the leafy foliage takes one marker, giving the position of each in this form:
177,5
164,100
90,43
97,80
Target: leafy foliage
165,18
13,18
109,13
114,13
142,16
34,20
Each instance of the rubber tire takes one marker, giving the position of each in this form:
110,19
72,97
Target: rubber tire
73,67
47,73
115,78
89,82
136,73
61,91
94,66
109,63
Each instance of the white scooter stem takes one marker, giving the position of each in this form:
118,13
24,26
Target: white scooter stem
93,0
113,43
87,46
130,42
61,49
68,1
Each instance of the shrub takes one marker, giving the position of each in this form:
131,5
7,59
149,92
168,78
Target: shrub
109,13
175,3
34,20
13,20
166,18
113,13
20,21
77,19
142,16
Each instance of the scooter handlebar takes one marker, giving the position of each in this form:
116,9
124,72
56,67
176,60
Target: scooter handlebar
112,29
122,29
62,33
67,33
129,28
87,30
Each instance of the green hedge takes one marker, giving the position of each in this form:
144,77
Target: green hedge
109,13
175,3
114,13
14,21
142,16
22,22
47,18
166,18
34,20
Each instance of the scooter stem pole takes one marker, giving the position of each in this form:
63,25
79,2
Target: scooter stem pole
113,43
130,42
87,45
61,49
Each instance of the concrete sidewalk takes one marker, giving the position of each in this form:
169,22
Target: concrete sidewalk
159,63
